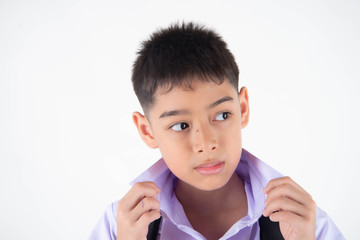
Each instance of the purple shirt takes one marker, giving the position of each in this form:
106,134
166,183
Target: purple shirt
175,225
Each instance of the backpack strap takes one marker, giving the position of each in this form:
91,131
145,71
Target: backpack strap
153,229
268,230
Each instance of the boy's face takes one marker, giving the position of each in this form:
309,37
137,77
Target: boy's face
198,131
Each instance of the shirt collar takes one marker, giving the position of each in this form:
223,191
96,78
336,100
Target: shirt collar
252,170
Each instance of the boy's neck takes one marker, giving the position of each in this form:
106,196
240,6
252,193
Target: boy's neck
231,197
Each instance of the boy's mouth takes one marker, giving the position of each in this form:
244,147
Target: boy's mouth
210,168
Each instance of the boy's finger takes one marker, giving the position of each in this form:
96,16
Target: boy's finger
287,217
137,193
147,218
148,184
287,190
279,181
145,205
284,204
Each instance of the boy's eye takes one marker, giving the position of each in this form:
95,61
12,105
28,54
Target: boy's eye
179,126
222,116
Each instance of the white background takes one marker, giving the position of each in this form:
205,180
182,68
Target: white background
68,147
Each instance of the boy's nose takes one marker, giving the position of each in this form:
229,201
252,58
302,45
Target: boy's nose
204,141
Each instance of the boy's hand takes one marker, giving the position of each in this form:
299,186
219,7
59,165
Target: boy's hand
136,210
291,206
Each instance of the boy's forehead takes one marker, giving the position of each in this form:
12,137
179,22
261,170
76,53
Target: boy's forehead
185,97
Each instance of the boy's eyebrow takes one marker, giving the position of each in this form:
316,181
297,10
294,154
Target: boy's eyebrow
221,100
173,113
184,111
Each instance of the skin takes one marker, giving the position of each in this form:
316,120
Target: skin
203,125
296,208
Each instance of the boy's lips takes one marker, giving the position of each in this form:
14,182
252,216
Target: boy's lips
210,168
209,164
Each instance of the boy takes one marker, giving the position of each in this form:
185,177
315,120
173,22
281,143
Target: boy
205,186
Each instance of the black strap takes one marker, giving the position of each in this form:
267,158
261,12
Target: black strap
153,229
268,230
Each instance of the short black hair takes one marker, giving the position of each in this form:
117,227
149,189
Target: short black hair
173,56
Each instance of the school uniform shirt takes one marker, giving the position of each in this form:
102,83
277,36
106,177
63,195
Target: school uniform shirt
175,225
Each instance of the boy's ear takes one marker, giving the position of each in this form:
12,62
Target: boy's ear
244,105
143,126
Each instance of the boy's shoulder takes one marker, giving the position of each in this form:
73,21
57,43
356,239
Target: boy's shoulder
255,172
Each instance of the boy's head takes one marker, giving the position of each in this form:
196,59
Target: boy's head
187,83
175,55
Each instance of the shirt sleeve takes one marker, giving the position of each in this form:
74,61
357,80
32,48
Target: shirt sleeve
106,228
326,228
